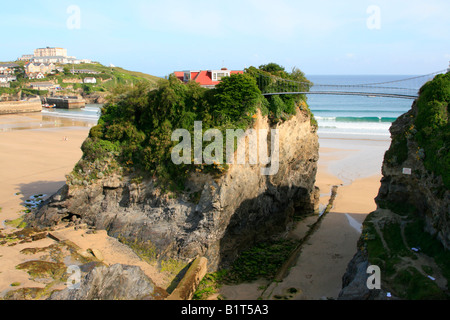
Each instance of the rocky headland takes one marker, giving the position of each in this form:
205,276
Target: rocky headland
216,218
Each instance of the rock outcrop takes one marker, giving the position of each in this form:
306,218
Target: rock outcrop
117,282
216,217
413,206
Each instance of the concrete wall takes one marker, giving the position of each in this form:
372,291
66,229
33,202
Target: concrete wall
69,103
188,285
11,107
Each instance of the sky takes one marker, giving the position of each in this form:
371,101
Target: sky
319,37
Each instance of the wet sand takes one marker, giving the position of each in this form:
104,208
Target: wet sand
32,161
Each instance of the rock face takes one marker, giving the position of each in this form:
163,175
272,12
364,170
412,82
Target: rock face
420,188
215,217
407,188
117,282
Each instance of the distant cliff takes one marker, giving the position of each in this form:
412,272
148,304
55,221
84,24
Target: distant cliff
127,184
408,236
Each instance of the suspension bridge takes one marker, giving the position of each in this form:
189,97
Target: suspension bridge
407,88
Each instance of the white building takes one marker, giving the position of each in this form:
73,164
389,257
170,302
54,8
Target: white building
25,57
90,80
4,78
50,52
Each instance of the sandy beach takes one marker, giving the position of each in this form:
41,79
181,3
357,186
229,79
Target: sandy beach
37,153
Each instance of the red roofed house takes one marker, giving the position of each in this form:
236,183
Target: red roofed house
206,78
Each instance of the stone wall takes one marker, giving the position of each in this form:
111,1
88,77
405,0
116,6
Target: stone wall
12,107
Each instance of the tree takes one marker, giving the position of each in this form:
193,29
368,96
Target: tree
66,69
272,68
236,97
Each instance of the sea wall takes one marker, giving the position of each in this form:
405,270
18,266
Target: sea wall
12,107
66,103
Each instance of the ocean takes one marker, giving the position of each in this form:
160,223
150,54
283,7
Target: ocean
356,115
90,113
335,114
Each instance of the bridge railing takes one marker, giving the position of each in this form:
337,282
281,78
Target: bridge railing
407,88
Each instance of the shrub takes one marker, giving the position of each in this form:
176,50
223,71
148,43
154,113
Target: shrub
433,127
136,123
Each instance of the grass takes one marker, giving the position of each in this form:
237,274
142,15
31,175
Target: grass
399,274
412,285
209,285
416,237
145,250
43,269
16,223
117,72
172,266
261,261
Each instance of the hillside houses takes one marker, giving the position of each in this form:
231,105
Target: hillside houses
5,79
8,68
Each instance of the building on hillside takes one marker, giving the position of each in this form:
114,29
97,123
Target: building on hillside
8,68
90,80
50,52
206,78
5,70
4,78
44,68
52,55
42,85
25,57
54,59
85,71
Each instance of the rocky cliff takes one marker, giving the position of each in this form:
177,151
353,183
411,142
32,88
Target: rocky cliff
408,236
215,217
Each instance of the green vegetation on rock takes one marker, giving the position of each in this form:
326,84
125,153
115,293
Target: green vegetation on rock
433,126
136,124
388,240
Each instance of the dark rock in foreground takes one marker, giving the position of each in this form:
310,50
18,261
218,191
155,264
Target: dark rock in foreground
117,282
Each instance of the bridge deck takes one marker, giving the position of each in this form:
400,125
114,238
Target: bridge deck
349,93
